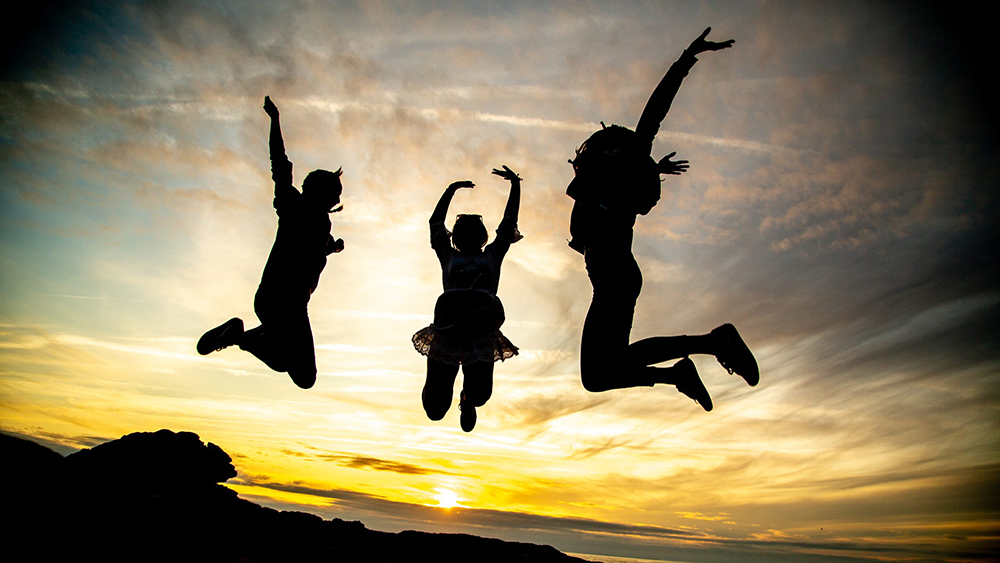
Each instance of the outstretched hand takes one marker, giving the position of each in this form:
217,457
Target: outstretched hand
672,167
461,184
507,174
699,45
270,108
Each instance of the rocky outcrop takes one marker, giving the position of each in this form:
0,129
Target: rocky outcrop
157,497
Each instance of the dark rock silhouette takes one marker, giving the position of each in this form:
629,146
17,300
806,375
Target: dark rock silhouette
157,497
159,461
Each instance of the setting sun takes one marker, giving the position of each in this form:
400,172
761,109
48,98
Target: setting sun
446,498
839,208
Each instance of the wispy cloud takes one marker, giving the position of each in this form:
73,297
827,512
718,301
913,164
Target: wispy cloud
88,297
845,228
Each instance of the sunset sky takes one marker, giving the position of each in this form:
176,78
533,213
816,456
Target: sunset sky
839,210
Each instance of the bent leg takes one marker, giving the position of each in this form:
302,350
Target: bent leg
724,342
654,350
478,382
626,376
284,340
604,360
301,351
438,388
285,348
604,357
607,360
262,343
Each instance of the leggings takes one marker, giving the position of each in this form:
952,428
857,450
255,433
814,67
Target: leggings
607,360
440,385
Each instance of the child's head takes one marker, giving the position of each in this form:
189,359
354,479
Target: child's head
323,187
469,234
610,139
614,169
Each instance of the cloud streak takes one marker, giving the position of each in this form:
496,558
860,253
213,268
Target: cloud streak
839,210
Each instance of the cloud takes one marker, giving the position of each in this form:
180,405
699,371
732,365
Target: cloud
83,341
839,210
644,540
366,462
477,518
61,443
354,461
707,517
535,409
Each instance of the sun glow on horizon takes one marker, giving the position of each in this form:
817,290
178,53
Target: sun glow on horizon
136,212
447,498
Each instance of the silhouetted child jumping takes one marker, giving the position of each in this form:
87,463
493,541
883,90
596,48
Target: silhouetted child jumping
616,179
284,338
468,315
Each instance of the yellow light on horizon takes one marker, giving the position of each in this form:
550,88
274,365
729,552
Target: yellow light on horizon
446,498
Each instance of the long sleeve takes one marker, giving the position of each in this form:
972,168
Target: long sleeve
659,101
507,233
513,200
440,238
281,167
441,209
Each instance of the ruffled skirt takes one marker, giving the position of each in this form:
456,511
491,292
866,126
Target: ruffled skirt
466,329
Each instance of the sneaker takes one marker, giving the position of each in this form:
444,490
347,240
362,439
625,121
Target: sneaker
735,355
222,336
468,416
690,384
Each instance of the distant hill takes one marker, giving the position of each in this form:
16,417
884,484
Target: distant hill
156,496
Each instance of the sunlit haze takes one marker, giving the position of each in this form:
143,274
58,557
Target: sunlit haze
840,209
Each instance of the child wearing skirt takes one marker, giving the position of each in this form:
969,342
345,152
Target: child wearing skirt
468,315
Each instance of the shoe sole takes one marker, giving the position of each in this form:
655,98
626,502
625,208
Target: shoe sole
696,381
209,341
464,408
739,349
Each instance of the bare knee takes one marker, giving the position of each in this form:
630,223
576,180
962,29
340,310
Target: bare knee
595,386
594,380
304,378
438,388
436,409
436,401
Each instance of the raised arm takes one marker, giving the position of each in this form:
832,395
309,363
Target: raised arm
441,209
507,233
514,199
440,237
281,167
659,101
